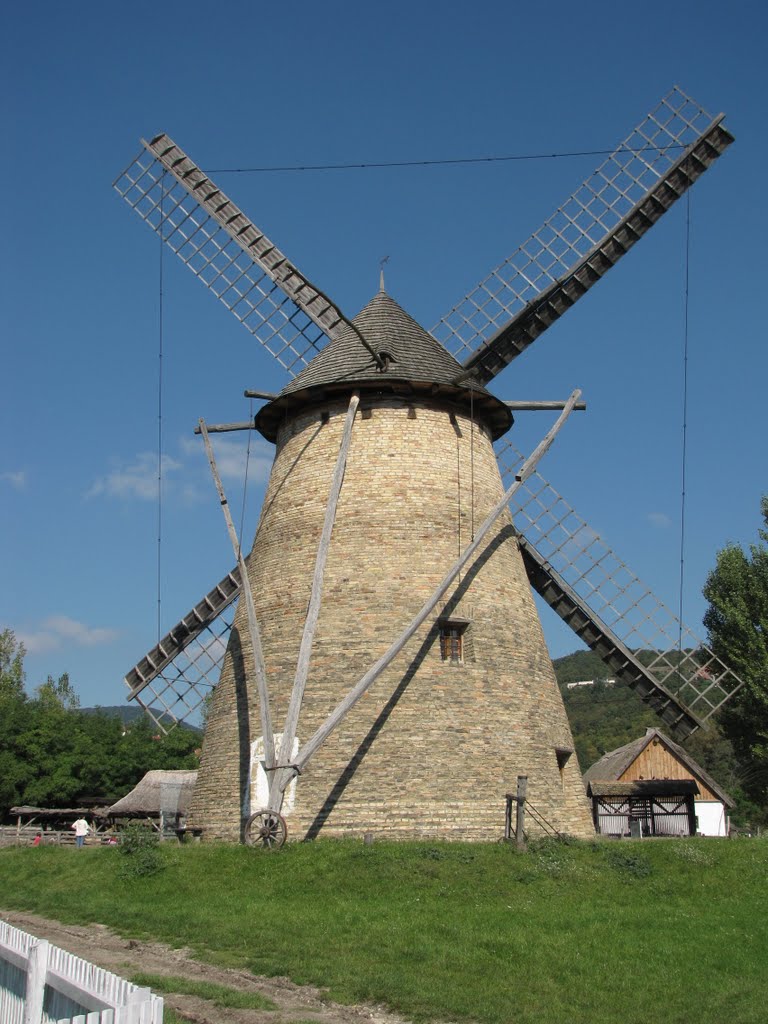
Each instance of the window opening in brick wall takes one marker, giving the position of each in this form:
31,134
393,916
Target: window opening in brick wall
452,641
562,754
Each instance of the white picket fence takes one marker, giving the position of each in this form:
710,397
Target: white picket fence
42,984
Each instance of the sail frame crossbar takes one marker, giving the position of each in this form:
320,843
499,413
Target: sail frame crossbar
577,227
615,599
173,680
291,318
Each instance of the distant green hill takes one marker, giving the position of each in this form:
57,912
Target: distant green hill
603,716
128,713
608,715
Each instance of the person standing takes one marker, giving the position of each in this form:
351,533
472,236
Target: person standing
82,828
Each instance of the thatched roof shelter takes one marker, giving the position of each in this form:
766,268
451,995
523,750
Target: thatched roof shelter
159,792
59,812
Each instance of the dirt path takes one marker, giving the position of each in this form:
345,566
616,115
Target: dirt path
296,1004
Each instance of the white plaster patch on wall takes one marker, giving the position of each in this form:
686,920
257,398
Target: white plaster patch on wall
258,779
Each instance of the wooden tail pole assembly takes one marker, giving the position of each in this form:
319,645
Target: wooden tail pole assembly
253,626
313,612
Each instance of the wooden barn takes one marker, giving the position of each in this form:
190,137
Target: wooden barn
652,786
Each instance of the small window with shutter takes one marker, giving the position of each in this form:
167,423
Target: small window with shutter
453,636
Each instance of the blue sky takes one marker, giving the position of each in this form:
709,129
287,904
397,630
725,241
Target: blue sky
254,84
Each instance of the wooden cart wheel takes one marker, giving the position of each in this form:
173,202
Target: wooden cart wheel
267,829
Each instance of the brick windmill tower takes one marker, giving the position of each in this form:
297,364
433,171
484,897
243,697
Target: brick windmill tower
385,670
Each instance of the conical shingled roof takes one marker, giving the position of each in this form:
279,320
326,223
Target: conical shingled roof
415,364
415,355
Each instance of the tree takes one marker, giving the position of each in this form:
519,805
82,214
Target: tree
11,666
58,693
52,754
737,623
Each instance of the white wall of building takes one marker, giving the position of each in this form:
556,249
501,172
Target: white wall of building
712,818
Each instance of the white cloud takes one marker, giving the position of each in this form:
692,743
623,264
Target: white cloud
232,456
137,479
17,479
187,476
57,630
659,519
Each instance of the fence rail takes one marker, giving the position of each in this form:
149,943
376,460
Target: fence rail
24,835
43,984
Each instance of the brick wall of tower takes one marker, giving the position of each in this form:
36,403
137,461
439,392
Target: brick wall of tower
432,748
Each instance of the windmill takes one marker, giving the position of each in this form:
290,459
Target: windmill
398,547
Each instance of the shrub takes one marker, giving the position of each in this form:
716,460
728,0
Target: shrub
139,849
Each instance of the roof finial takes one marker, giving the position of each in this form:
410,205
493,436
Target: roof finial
381,273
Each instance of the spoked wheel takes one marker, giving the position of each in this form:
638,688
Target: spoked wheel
267,829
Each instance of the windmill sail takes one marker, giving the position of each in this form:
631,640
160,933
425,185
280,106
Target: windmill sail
280,307
615,614
173,680
648,172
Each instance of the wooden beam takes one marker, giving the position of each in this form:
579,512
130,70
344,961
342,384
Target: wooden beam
370,677
522,789
549,406
253,625
221,428
268,395
313,612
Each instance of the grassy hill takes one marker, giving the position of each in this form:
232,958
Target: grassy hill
603,716
601,932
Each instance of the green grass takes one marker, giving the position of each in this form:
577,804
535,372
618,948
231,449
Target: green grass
589,932
172,1017
219,995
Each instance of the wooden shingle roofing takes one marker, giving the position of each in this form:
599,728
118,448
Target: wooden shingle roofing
612,765
385,325
415,364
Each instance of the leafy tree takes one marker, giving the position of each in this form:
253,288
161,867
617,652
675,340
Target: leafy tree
11,666
14,718
52,754
737,622
58,692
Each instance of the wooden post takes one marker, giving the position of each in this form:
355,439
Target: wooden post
508,817
253,626
37,968
522,788
280,777
366,681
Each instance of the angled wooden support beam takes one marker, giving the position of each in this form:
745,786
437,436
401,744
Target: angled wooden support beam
223,428
545,406
370,677
313,613
253,625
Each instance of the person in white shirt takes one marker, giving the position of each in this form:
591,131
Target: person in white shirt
82,828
